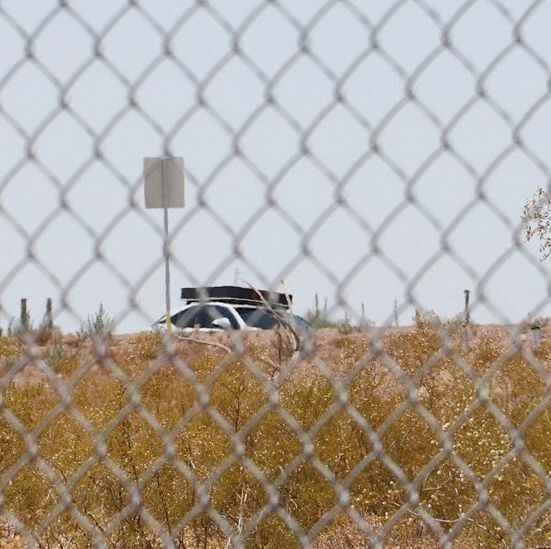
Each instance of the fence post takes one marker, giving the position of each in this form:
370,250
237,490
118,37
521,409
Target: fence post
467,319
24,315
49,315
396,313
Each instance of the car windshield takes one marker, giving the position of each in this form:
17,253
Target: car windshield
202,316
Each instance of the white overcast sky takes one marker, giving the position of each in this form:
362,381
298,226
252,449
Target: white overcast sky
314,156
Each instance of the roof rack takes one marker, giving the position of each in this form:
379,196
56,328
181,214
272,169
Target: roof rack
236,295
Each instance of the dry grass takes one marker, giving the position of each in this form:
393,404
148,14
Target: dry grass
271,444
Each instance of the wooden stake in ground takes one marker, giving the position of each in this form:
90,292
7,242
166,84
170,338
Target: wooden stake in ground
49,318
24,318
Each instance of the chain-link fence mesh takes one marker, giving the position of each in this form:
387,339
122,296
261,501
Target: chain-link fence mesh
342,435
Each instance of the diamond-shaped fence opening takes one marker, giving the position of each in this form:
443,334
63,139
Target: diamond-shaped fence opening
366,161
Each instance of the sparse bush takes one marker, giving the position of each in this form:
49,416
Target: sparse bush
345,327
541,321
425,319
43,334
16,329
100,325
61,359
319,318
535,323
56,355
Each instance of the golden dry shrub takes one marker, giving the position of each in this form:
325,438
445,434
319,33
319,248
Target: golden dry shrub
412,349
10,347
137,396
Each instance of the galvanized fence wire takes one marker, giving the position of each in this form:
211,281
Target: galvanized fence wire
65,388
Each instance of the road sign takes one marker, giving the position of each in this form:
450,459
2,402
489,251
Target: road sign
164,182
164,188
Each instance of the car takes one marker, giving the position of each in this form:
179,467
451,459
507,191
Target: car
234,308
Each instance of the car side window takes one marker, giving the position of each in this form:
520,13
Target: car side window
186,318
208,313
201,316
258,318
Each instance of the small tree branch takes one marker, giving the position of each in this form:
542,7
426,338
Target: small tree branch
203,342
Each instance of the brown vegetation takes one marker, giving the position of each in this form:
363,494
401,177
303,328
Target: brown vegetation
136,390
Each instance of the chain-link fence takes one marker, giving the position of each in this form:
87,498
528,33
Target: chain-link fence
378,143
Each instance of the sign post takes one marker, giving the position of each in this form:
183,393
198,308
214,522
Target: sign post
164,188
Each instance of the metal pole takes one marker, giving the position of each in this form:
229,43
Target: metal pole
166,251
167,272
